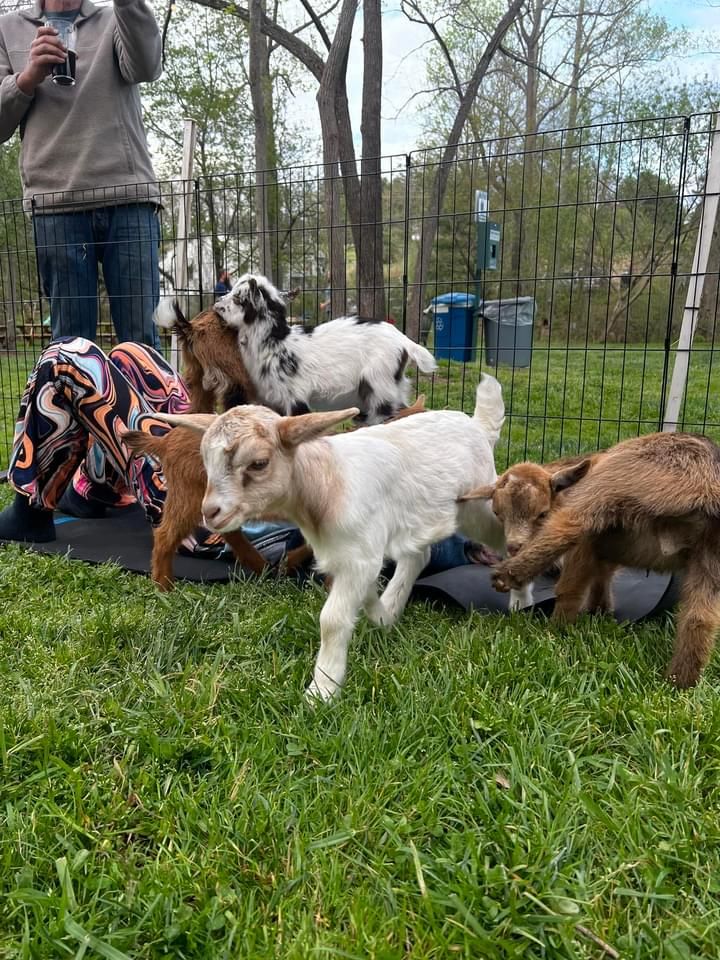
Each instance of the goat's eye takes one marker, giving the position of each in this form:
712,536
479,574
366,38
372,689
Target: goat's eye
258,465
236,300
543,515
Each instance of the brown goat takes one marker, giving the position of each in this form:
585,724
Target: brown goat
179,453
212,365
522,498
653,503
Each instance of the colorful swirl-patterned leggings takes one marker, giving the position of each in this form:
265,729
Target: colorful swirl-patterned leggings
76,399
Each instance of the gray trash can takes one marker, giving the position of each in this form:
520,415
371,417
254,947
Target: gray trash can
508,328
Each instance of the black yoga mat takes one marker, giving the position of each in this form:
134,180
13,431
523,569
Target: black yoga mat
125,537
636,593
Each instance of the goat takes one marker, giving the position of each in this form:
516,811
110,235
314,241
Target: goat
522,499
358,497
213,367
349,361
651,502
179,453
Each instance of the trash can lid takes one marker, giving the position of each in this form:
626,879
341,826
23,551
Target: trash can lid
457,299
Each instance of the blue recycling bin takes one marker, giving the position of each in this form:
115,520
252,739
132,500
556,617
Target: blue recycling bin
455,326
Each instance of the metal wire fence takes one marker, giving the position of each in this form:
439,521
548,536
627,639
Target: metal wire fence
569,254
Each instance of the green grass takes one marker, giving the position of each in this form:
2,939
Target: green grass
486,787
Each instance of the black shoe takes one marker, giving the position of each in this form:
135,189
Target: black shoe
74,505
26,524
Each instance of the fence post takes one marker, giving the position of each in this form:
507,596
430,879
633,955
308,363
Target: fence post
406,240
695,285
184,220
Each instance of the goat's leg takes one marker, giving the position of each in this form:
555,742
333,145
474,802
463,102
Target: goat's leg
574,583
600,598
296,557
245,553
337,619
165,543
396,593
561,531
176,523
698,621
519,599
372,605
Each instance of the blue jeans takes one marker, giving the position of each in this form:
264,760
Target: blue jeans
125,240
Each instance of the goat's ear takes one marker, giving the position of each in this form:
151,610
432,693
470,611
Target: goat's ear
480,493
569,476
191,421
307,426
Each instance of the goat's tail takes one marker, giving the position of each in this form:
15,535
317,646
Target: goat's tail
141,442
169,316
489,406
421,357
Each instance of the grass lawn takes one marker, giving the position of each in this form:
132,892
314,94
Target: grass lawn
486,787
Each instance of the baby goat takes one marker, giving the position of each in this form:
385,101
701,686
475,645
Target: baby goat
212,365
179,453
345,362
359,497
653,503
522,499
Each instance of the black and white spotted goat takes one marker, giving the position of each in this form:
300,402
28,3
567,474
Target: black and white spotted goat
348,362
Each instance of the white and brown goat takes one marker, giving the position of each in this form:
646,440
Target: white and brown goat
359,498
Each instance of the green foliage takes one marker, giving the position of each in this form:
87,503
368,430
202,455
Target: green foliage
10,184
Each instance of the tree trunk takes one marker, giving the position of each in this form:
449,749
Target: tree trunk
332,100
261,95
371,296
437,191
530,198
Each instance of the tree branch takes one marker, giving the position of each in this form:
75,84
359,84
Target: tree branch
293,44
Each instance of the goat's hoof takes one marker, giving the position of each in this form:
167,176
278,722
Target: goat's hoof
682,675
379,616
503,582
317,693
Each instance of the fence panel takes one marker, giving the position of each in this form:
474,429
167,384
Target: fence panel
597,231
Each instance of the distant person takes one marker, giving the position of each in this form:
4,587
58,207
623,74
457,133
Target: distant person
85,163
223,284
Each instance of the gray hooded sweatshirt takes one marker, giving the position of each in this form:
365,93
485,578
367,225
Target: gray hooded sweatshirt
83,146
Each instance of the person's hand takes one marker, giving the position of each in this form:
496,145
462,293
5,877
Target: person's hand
45,51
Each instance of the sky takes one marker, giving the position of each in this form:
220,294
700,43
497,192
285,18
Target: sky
404,74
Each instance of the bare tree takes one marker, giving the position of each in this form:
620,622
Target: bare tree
361,193
265,157
431,214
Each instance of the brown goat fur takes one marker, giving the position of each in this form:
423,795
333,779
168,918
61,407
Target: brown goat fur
179,453
653,503
212,364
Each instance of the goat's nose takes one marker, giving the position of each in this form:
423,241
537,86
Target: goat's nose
211,513
513,548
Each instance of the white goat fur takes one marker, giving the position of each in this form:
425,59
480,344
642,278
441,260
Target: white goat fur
359,498
345,362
